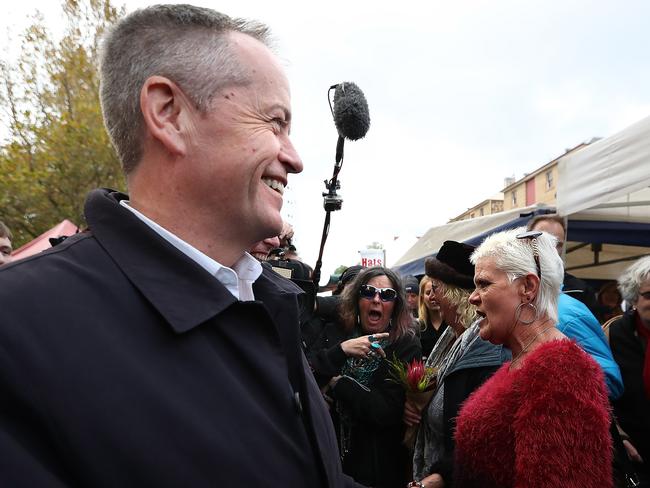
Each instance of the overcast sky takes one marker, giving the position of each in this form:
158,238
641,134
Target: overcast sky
461,95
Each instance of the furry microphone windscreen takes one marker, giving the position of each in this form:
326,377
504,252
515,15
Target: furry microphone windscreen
351,115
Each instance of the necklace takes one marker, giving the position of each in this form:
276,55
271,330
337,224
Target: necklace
525,348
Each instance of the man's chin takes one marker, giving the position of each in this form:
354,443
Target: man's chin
268,225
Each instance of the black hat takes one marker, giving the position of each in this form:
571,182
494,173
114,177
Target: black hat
452,266
346,277
411,284
349,274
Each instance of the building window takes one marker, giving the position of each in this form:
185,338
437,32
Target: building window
482,212
514,198
549,180
471,216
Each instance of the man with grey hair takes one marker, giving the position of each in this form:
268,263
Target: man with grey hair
152,350
629,335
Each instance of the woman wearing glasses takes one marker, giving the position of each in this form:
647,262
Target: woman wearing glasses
542,420
367,408
629,335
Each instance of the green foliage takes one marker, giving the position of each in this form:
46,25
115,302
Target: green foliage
339,271
57,148
375,245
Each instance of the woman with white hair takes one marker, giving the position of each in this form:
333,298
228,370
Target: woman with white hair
628,338
542,420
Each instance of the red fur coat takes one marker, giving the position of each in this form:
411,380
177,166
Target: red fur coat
543,425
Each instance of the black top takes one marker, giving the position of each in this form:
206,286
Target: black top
429,336
371,440
632,409
367,418
580,290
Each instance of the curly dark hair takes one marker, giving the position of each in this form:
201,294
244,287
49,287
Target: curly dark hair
401,320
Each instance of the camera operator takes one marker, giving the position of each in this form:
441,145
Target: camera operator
321,330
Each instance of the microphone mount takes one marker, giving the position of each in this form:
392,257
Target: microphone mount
352,122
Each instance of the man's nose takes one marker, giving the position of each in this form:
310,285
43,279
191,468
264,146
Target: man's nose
290,157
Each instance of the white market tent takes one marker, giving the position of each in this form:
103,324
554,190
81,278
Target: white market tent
608,183
610,177
603,191
412,262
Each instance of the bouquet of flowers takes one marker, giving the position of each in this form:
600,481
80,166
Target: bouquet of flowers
419,382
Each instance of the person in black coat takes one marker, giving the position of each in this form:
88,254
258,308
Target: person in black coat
374,326
628,338
152,350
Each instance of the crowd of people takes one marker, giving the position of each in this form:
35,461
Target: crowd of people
179,341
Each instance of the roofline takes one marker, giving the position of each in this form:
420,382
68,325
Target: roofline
475,207
545,167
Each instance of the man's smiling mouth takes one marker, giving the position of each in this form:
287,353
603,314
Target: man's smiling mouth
274,185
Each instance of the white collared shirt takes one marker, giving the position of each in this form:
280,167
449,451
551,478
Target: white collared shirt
238,280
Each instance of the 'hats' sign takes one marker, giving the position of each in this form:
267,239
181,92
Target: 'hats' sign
373,257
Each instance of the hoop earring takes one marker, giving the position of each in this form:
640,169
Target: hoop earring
518,313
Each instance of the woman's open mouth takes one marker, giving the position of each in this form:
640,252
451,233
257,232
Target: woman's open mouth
374,315
481,316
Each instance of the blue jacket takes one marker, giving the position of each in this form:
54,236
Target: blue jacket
578,323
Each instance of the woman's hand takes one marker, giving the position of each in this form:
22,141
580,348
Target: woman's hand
360,347
433,481
333,382
412,414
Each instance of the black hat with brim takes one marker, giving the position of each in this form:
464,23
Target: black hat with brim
452,265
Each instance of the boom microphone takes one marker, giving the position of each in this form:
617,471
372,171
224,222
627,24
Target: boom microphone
352,121
351,115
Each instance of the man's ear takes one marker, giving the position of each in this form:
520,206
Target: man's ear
162,103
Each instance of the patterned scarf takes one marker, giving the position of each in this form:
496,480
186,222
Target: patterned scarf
429,446
362,369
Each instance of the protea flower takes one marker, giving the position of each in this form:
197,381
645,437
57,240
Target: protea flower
414,376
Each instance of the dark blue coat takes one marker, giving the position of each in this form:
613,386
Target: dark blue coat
124,363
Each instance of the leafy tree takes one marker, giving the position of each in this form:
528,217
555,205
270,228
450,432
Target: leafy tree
340,269
375,245
57,148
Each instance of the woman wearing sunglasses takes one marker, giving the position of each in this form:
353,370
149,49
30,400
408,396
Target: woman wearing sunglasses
367,409
543,419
